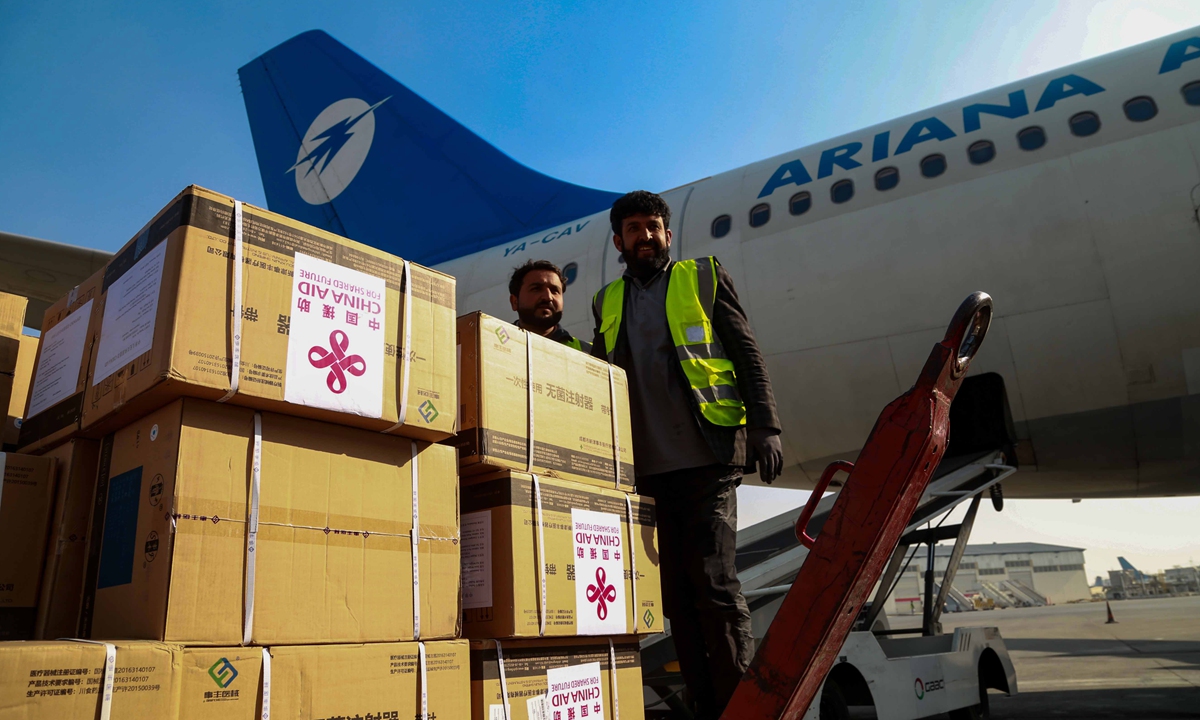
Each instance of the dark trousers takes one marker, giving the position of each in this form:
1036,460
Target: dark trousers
697,537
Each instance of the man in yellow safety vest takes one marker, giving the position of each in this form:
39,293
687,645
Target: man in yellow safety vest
703,413
535,292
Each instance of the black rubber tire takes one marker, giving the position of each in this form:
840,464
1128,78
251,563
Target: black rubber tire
982,711
833,703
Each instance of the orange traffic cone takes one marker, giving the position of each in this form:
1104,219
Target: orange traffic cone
1110,621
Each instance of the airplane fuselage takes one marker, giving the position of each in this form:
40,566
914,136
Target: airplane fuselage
1082,227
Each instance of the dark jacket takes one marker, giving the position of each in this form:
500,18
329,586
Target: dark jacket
733,329
561,335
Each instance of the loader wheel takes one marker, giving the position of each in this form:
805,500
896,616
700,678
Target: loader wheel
975,712
833,703
997,493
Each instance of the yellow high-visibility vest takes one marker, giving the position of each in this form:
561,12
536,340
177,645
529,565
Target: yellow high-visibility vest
691,294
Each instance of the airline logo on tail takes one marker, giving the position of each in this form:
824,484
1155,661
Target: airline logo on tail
334,149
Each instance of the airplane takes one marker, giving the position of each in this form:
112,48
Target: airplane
1072,197
1129,568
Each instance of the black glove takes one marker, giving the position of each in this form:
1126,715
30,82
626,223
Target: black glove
769,451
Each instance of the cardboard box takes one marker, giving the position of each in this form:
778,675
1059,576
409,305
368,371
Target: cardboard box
54,408
66,554
20,390
557,675
572,423
378,681
26,502
587,593
12,320
321,329
6,391
333,560
63,680
221,683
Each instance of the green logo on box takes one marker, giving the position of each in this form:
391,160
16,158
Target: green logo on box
222,672
428,411
648,618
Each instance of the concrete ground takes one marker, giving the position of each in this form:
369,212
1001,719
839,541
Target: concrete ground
1071,664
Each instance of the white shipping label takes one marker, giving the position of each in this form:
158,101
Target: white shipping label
535,708
336,342
496,712
61,360
599,573
476,548
575,692
130,309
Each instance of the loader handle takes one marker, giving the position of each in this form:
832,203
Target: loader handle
967,330
811,506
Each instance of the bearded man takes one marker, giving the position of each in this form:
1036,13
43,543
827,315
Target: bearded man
703,413
536,291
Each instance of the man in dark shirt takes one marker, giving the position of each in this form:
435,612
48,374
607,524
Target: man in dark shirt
535,292
703,413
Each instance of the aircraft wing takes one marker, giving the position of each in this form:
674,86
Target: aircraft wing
44,271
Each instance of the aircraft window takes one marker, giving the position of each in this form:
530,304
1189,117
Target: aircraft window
1191,93
760,214
981,152
1084,124
887,178
800,203
933,165
842,191
1031,138
571,271
1140,109
721,226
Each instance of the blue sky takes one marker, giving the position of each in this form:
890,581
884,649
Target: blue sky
107,110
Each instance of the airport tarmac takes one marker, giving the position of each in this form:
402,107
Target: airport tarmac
1071,664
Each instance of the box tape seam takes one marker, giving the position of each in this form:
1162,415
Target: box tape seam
631,551
252,530
612,411
541,559
265,714
503,681
415,535
423,679
612,680
406,353
110,671
235,370
529,399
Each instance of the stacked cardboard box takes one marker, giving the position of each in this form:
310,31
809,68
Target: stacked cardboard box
19,393
504,371
61,594
224,525
12,346
560,560
241,415
26,505
54,408
68,680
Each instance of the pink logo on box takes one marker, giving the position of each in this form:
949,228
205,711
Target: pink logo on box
338,362
601,593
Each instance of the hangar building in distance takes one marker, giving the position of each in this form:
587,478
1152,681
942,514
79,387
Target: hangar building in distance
1008,574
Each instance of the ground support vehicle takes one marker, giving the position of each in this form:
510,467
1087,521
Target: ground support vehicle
876,515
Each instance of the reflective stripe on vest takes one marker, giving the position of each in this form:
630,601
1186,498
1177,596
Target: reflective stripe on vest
691,294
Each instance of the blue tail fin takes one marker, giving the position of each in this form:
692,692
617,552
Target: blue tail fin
343,146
